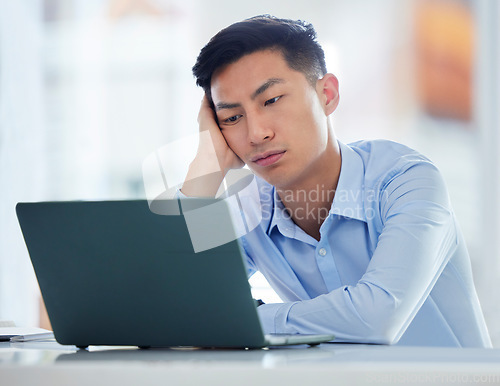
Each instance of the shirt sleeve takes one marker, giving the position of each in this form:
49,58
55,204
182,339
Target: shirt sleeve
417,240
249,263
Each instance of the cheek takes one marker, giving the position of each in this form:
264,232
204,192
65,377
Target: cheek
317,122
305,120
234,140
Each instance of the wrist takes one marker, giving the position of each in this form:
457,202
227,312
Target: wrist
203,179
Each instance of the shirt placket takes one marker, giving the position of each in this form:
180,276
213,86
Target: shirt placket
325,260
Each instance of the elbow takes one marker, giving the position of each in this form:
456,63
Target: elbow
384,329
373,334
384,336
380,330
374,325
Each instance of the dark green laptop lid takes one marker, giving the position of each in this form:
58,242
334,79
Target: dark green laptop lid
114,273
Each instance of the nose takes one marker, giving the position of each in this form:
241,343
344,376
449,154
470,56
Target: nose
259,129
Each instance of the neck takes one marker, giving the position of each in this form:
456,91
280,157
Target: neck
309,201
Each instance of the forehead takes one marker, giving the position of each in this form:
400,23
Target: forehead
247,74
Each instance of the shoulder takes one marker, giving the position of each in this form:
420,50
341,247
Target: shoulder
383,160
385,151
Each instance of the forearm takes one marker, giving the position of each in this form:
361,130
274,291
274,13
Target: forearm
349,313
203,178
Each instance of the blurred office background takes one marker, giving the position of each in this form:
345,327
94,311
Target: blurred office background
89,88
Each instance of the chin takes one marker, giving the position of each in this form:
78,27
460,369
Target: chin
275,176
265,176
278,181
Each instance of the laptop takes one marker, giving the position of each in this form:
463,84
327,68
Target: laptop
115,273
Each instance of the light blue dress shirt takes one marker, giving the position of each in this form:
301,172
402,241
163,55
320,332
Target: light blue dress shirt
391,265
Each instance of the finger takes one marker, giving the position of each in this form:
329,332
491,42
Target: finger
206,113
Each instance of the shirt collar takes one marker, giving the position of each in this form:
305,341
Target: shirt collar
349,195
280,218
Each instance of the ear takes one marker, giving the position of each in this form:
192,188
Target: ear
328,91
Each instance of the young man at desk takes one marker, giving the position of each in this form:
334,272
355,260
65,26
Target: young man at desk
360,240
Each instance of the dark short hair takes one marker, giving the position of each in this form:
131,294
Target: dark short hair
295,39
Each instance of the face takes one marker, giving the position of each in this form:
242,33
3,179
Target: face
274,119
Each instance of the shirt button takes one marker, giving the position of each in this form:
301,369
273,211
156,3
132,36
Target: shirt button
322,252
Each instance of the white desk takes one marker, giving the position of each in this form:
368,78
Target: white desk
328,364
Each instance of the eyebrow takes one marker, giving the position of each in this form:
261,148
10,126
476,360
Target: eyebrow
265,86
268,83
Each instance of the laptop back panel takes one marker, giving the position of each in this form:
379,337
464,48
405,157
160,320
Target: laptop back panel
114,273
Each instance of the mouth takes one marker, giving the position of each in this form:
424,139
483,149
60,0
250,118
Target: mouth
268,158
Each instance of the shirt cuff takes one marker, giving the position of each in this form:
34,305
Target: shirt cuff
274,316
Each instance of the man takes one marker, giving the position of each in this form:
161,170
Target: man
360,240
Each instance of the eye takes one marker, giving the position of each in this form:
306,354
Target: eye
232,119
272,100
